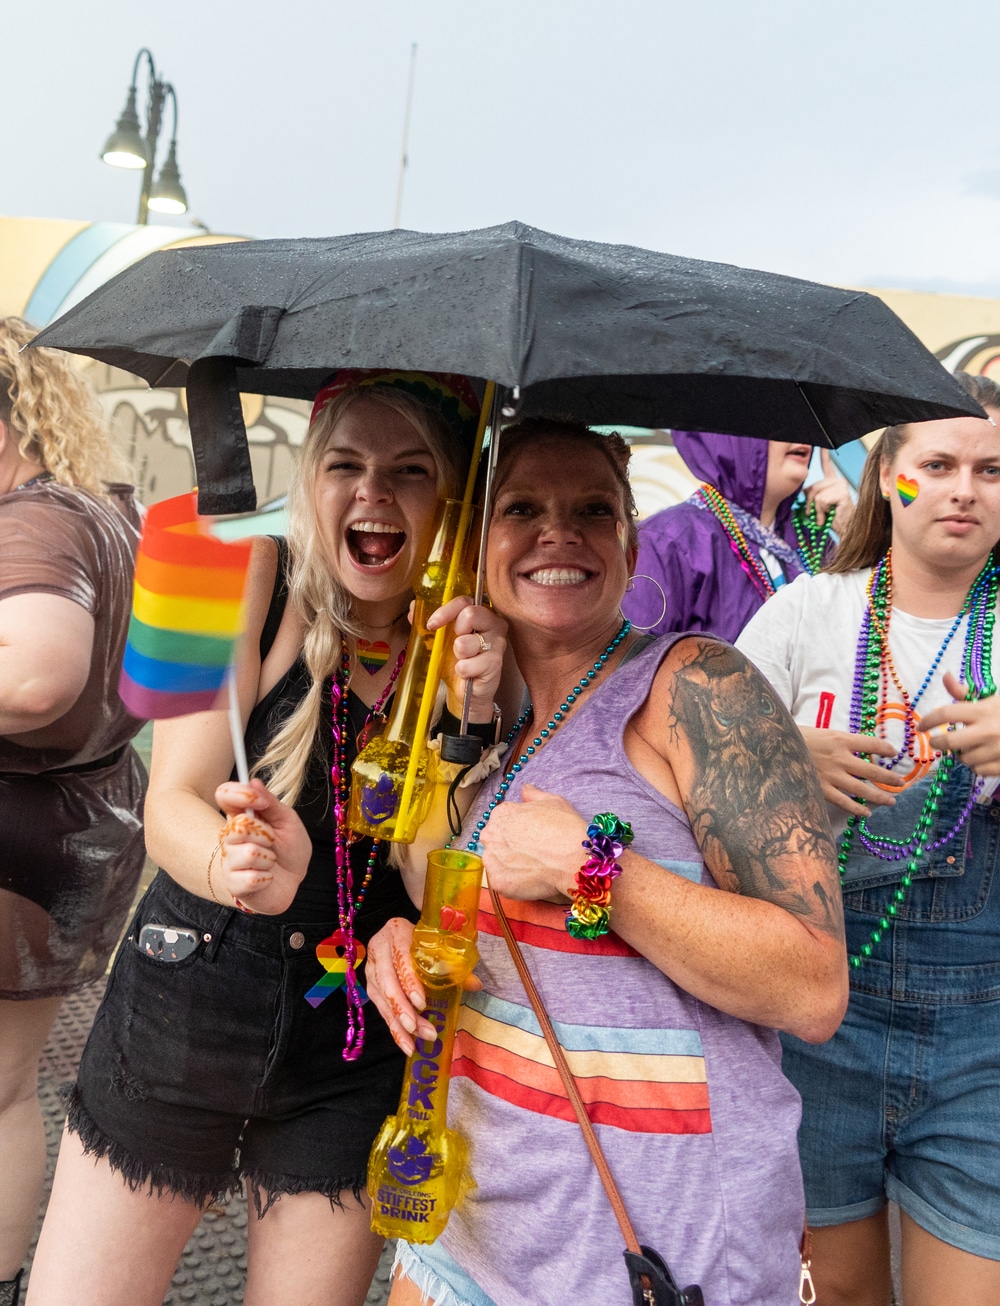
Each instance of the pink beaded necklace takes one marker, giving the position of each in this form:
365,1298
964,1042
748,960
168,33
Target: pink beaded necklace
340,953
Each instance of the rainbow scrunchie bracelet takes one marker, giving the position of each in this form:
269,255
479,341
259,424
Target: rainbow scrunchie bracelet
607,837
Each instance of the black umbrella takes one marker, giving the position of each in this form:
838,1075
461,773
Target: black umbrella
605,333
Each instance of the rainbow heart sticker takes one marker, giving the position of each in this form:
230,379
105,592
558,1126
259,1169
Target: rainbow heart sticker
906,489
373,657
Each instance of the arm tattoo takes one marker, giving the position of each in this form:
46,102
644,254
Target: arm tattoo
754,801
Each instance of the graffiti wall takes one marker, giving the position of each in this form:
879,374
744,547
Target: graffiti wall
151,427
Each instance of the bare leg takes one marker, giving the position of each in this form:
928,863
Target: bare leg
24,1029
304,1252
103,1243
937,1274
405,1292
850,1263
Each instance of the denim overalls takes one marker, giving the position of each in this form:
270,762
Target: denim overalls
904,1101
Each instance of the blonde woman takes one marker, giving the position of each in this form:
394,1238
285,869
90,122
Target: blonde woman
71,787
219,1060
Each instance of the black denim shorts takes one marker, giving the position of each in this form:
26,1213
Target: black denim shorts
213,1068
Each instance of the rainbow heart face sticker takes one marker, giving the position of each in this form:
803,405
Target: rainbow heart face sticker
906,489
373,657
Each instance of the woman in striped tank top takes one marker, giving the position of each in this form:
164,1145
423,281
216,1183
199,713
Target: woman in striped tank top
725,927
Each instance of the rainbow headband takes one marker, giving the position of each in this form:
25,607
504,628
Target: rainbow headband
449,393
187,613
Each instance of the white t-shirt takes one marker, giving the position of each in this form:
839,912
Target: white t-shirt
804,640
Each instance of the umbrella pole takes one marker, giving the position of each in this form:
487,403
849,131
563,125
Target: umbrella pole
808,403
496,409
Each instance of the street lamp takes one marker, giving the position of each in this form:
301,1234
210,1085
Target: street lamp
126,147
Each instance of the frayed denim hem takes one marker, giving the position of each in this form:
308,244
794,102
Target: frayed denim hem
424,1277
264,1189
198,1189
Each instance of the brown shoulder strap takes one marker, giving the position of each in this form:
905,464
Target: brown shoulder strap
569,1083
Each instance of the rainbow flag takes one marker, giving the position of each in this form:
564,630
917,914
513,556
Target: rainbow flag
187,613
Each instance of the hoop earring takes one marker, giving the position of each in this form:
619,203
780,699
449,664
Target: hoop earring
663,599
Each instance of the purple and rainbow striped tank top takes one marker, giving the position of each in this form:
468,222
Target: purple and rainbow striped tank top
697,1120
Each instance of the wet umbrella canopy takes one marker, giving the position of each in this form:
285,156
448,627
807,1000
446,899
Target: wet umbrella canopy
604,333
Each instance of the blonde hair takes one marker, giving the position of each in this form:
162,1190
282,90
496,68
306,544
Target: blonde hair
321,601
54,414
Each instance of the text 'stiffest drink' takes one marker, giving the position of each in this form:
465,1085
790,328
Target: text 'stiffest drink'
378,776
417,1168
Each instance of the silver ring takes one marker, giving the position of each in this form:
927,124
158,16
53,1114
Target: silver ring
484,644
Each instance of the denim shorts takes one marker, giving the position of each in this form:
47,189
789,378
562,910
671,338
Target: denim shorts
904,1101
438,1276
213,1068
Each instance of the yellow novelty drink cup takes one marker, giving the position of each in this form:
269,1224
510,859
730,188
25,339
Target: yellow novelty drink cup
379,773
417,1168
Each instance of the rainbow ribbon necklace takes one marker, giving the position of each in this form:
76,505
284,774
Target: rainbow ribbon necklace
873,669
340,953
551,726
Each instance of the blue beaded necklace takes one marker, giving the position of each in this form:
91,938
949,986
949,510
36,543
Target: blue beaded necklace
551,726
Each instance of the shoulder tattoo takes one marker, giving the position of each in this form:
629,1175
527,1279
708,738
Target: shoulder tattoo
752,797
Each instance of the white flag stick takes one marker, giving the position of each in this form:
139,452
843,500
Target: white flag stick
236,730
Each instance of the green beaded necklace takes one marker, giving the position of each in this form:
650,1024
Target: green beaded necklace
811,536
873,666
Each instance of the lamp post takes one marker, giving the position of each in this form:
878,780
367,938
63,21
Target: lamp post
126,147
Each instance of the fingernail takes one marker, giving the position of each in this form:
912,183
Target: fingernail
408,1023
417,1001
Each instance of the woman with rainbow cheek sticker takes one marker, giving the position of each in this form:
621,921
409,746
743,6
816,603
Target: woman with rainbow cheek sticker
886,663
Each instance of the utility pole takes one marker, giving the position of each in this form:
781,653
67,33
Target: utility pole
403,158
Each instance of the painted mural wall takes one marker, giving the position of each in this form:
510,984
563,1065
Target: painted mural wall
48,265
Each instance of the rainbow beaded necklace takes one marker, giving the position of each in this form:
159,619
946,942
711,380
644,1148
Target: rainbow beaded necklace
718,505
551,726
812,538
873,669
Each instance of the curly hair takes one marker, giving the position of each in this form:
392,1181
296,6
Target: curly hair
54,414
317,596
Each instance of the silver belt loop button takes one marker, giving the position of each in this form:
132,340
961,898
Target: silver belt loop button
296,940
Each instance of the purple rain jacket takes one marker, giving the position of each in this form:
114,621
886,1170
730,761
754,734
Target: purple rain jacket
685,549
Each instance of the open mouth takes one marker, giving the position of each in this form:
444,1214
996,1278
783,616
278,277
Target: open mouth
374,543
800,452
558,576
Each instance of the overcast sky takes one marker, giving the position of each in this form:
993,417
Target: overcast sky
853,141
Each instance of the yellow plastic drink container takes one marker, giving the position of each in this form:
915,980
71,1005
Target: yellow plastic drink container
379,772
417,1168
